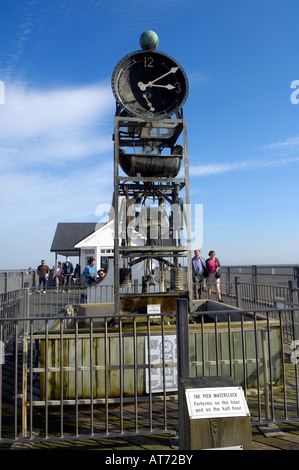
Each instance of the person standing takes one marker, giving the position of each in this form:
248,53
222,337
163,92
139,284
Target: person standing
68,272
77,274
199,273
213,266
90,272
101,274
58,276
43,272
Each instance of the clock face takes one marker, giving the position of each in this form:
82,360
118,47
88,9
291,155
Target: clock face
150,85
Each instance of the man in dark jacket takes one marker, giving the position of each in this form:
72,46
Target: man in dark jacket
43,272
199,272
68,272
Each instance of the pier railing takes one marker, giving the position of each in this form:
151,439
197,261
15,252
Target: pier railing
262,274
249,294
244,295
13,279
255,274
28,302
259,350
49,371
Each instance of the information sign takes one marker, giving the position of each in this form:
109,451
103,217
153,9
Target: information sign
153,308
157,357
216,402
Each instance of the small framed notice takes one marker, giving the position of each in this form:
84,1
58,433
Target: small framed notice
153,308
155,348
216,402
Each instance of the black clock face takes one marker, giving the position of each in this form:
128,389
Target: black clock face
150,85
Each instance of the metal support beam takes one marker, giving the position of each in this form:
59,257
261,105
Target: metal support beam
182,323
131,132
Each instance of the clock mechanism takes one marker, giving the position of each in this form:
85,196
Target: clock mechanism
150,85
150,175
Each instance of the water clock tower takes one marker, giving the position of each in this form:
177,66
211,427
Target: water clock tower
151,177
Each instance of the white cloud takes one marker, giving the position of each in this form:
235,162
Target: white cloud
56,153
29,112
292,143
29,197
273,155
54,126
218,168
32,204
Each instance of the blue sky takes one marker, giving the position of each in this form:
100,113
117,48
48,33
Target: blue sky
56,149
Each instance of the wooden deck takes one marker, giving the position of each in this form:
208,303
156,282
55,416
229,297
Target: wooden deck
156,442
164,442
289,441
167,442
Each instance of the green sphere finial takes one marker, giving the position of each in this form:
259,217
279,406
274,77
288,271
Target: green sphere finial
149,40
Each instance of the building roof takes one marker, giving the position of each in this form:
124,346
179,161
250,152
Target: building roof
67,235
93,237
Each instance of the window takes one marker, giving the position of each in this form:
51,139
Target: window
88,252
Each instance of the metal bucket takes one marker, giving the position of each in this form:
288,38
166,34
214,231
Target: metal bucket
150,165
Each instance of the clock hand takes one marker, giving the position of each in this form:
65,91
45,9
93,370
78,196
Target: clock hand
149,104
169,87
172,70
143,86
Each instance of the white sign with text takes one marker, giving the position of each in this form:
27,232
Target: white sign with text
153,308
216,402
157,357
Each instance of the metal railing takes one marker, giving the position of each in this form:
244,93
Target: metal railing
25,303
248,294
51,303
262,274
54,363
98,387
263,365
256,274
83,377
14,304
11,280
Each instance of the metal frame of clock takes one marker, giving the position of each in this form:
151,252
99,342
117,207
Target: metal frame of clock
151,178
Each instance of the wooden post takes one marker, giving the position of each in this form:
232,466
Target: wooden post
182,327
24,388
238,293
116,215
203,432
266,376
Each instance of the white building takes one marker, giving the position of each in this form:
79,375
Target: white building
85,240
99,245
